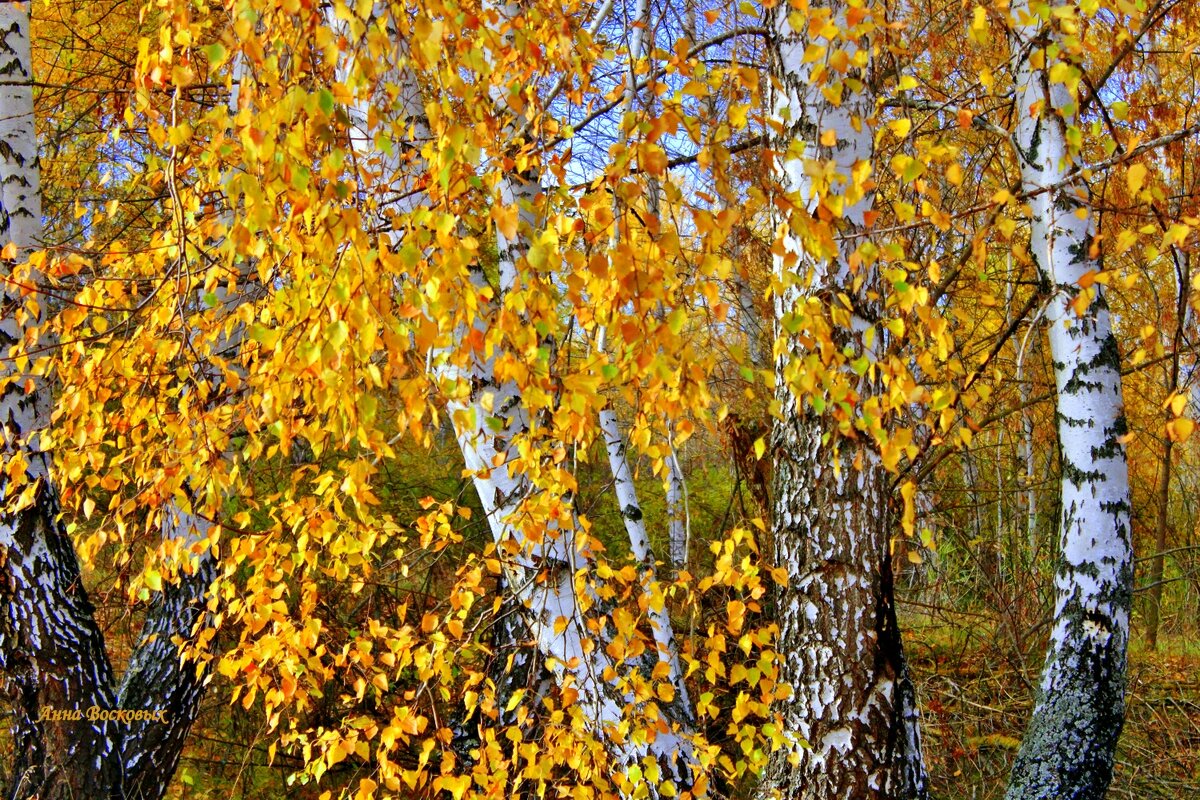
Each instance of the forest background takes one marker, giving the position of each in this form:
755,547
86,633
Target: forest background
445,378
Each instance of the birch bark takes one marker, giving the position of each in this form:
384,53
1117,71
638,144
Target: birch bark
1068,748
678,518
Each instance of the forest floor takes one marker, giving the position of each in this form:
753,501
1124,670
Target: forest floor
976,696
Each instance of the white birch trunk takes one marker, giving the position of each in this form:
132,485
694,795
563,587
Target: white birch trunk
639,544
546,567
852,705
1027,460
678,518
1069,746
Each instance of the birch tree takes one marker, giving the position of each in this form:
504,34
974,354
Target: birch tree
53,654
68,737
1070,743
852,706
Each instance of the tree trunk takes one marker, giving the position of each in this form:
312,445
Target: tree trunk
1183,283
678,520
1068,749
852,702
639,545
157,678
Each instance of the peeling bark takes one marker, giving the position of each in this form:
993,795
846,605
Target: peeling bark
853,705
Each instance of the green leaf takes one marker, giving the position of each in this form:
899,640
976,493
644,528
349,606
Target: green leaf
325,101
153,580
367,407
215,53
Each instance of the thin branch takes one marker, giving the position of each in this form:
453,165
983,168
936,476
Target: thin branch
979,121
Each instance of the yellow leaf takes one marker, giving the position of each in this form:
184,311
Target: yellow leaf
736,611
839,60
456,786
1125,240
652,158
1176,234
1136,178
979,25
154,580
1178,430
1080,304
506,220
908,518
337,333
